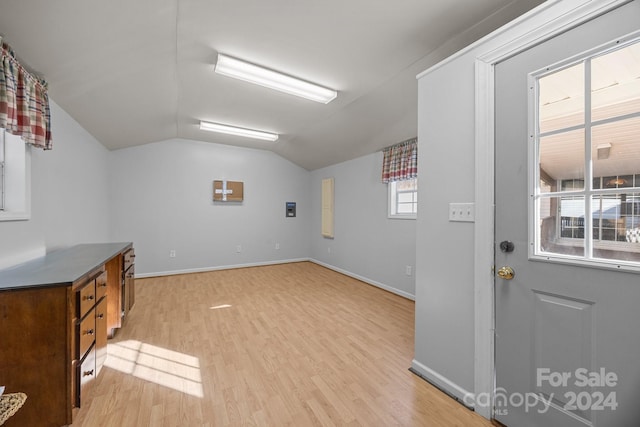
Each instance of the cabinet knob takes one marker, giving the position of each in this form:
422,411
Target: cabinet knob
100,316
87,373
89,297
89,332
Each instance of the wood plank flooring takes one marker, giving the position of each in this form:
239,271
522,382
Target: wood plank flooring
284,345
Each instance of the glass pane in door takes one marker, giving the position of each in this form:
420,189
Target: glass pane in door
561,99
562,225
562,159
615,83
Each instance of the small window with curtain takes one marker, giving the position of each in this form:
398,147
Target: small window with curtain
400,173
25,121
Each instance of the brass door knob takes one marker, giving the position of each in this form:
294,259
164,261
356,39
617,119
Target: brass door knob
506,273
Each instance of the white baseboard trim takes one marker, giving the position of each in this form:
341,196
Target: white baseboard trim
13,260
284,261
219,267
366,280
463,396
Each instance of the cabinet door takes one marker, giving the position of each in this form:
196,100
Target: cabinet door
35,331
129,289
132,287
101,334
114,293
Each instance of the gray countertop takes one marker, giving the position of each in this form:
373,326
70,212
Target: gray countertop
60,267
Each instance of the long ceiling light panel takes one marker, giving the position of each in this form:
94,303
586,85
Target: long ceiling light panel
251,73
233,130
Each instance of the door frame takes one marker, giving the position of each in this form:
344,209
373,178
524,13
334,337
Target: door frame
542,23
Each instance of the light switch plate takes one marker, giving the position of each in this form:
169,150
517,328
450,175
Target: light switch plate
462,212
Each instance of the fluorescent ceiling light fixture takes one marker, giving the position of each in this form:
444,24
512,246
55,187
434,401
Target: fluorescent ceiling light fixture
233,130
241,70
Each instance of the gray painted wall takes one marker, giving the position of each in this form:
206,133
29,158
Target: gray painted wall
161,198
69,201
445,273
445,288
367,243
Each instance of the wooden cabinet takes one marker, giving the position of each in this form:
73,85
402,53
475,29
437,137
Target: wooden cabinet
121,289
53,328
36,332
89,297
101,334
114,289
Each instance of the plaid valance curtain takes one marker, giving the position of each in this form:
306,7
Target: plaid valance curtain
400,161
24,102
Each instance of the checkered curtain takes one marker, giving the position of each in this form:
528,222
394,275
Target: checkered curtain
24,102
400,161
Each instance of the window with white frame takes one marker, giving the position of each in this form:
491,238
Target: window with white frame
403,199
586,186
14,183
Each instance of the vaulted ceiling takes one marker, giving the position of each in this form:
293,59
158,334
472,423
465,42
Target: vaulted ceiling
133,72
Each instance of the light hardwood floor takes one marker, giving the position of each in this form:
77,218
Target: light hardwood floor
284,345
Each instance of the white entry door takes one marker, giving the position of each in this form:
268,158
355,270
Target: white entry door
567,197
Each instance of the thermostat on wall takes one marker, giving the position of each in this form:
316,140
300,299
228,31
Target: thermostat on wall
291,209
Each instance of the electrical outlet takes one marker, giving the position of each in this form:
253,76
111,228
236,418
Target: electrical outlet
462,212
172,253
277,245
408,270
239,248
329,250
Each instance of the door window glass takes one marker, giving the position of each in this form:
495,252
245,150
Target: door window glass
562,99
587,154
562,154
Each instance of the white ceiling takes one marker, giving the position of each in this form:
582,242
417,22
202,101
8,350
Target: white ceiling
138,71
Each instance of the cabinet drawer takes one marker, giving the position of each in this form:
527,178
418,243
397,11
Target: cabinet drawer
101,285
87,298
87,333
85,375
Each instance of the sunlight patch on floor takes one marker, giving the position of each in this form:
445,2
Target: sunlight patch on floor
159,365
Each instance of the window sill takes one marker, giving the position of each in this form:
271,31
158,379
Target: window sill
14,216
402,217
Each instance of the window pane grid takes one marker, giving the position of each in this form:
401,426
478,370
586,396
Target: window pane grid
403,198
602,126
406,202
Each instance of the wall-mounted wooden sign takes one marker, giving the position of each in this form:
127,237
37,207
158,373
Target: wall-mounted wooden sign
228,191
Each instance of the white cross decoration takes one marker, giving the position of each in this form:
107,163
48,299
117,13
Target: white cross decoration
224,190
